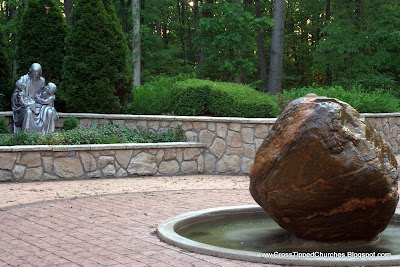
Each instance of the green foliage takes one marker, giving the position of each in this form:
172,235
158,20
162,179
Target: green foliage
98,134
228,38
4,126
237,100
303,23
155,97
122,79
195,97
377,101
6,87
70,123
192,97
361,45
41,36
95,77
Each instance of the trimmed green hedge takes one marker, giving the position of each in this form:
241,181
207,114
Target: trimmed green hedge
192,97
198,97
378,101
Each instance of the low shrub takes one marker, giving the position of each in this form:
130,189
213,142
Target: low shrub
70,123
237,100
155,97
377,101
191,97
203,97
4,126
99,134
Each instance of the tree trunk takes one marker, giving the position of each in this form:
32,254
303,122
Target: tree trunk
196,14
165,35
237,53
275,67
136,43
260,48
158,29
181,16
67,9
327,19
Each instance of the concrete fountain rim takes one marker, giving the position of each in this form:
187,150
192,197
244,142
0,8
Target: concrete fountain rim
166,232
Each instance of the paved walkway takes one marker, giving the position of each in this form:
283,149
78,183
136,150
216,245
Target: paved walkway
108,222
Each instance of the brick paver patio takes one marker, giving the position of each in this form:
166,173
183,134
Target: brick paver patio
110,230
107,230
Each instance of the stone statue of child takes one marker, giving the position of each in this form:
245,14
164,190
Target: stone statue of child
48,97
24,100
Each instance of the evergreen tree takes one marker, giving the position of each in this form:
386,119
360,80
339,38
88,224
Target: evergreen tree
119,47
40,39
6,87
94,66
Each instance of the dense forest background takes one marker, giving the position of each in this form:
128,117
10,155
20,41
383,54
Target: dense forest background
344,43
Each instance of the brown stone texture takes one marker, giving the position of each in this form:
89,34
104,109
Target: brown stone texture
229,164
31,159
218,147
68,167
324,174
191,153
88,161
7,160
171,166
143,164
123,157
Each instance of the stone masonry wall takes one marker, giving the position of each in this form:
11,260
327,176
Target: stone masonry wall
388,125
229,144
33,163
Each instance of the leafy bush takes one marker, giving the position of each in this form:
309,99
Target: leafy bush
378,101
95,70
237,100
4,126
41,34
155,97
70,123
194,97
191,97
99,134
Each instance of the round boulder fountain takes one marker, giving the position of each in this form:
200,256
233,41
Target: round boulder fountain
324,174
327,186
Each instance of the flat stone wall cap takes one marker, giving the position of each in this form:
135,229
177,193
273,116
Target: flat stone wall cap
6,113
31,148
96,147
62,148
6,148
107,146
163,118
379,115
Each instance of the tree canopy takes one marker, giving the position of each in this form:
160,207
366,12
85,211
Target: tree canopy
40,38
326,42
95,77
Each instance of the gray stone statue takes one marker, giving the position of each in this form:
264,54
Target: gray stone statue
33,103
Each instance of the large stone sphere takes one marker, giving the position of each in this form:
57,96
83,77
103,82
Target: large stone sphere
324,174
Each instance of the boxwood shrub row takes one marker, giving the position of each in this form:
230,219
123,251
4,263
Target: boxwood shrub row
204,97
189,96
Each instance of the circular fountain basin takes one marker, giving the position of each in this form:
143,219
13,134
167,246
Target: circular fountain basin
248,233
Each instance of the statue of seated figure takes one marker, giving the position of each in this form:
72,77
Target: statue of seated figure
33,103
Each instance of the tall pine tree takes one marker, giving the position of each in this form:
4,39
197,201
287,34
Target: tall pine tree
41,39
121,59
95,71
6,87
